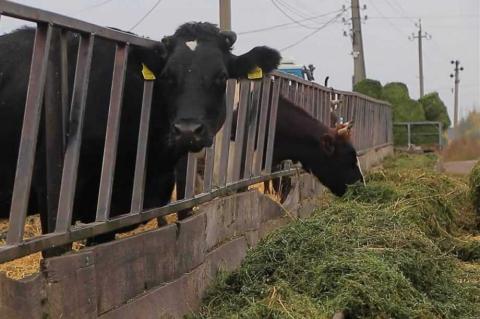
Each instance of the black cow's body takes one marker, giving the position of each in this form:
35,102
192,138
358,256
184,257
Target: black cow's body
188,108
16,51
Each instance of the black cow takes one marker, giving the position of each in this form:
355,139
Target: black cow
188,108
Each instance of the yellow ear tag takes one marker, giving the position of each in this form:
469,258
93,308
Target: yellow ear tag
147,73
256,73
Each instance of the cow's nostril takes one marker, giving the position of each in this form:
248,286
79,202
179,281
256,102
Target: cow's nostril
178,129
198,129
188,128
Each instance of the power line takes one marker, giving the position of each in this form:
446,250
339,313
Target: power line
312,33
288,23
290,17
383,16
145,15
93,6
401,9
293,9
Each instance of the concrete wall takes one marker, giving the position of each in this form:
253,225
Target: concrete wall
161,273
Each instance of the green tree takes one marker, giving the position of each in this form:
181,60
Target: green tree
405,109
369,87
435,109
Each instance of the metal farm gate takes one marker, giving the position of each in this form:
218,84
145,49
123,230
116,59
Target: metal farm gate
48,88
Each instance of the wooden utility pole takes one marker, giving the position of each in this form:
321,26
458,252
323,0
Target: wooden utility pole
225,15
420,36
357,44
458,68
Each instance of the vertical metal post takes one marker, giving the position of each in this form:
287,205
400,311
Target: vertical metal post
254,106
408,135
272,125
29,135
226,133
75,129
262,127
240,131
209,167
142,150
113,130
440,134
191,175
54,132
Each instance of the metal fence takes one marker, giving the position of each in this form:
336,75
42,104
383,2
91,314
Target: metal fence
257,104
427,133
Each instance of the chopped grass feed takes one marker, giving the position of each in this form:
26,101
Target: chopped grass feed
387,250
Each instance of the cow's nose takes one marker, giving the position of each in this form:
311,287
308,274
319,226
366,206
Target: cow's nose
189,128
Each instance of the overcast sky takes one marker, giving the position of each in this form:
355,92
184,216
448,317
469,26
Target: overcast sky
390,55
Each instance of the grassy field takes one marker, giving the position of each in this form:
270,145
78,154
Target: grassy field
405,246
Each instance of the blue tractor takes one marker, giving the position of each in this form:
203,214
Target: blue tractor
302,71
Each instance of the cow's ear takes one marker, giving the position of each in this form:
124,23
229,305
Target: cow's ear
327,142
229,38
154,58
168,43
263,57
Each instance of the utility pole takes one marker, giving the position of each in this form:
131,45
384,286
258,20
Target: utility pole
357,44
420,35
458,68
225,15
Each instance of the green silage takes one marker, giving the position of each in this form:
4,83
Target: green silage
387,250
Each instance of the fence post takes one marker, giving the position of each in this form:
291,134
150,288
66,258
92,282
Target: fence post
54,130
408,135
440,134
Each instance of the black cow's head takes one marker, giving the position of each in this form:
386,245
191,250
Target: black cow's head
193,80
339,166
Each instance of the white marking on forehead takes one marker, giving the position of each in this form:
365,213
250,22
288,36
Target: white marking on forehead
192,45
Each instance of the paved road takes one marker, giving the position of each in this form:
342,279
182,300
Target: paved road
459,167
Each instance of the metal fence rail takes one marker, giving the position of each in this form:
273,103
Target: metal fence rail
257,108
418,133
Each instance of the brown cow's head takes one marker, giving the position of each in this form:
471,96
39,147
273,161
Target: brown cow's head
339,165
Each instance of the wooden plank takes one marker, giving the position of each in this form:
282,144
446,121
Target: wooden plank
20,299
159,253
71,286
119,272
113,130
29,135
